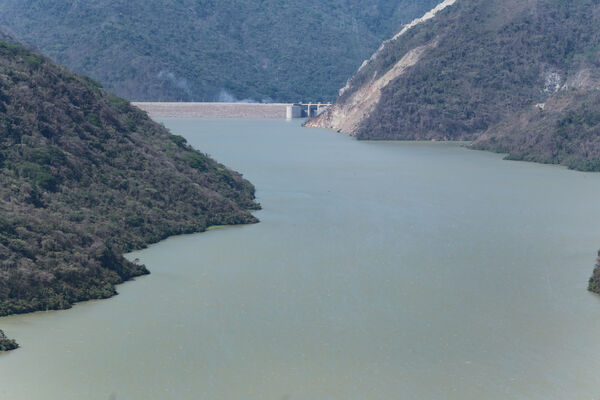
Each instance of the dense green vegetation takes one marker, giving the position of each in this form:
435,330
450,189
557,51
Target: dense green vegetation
594,284
7,344
85,177
566,131
159,50
492,59
490,63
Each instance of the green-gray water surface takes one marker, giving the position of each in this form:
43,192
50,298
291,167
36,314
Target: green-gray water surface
379,271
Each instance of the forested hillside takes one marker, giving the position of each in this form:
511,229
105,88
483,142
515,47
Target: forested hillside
7,344
516,77
85,177
205,50
563,130
523,73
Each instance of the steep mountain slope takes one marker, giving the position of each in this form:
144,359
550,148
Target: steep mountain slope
517,77
473,65
84,177
205,50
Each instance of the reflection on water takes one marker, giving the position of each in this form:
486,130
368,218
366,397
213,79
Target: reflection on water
379,271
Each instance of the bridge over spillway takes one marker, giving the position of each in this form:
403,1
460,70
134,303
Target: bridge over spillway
305,110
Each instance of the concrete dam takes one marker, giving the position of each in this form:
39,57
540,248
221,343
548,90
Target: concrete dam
232,110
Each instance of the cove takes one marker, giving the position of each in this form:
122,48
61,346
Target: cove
380,270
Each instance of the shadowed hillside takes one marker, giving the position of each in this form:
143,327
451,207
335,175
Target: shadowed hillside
211,50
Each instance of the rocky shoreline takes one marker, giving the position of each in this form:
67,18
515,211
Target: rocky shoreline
7,344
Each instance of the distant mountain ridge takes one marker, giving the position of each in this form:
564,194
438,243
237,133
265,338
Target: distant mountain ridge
85,177
211,50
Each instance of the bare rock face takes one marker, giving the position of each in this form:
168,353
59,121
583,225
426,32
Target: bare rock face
347,113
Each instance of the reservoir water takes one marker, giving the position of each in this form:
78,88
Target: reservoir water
379,271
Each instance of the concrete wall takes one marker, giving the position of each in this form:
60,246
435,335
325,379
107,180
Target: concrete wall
215,110
294,111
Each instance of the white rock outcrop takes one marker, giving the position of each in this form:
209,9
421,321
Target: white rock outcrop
346,117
